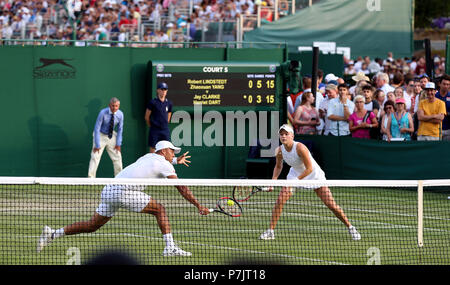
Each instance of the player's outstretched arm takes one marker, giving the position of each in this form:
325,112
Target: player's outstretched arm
187,194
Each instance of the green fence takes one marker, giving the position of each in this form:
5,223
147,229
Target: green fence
52,96
352,158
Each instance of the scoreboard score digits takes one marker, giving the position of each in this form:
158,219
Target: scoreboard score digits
219,84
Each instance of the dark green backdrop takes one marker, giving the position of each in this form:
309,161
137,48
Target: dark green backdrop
48,122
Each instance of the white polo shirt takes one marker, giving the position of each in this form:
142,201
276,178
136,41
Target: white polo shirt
151,165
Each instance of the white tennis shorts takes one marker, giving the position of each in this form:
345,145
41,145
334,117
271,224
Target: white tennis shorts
115,197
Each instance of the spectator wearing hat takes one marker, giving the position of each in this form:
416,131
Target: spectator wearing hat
400,123
350,69
431,113
444,95
157,116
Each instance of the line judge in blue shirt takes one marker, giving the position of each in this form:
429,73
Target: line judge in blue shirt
157,116
106,137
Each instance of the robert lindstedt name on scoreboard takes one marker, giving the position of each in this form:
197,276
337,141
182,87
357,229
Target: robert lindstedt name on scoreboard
207,84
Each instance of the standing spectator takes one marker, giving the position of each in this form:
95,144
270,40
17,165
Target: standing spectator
430,114
400,93
389,108
421,67
370,104
339,110
380,97
382,82
361,121
307,83
157,117
444,95
400,124
360,79
105,137
418,91
410,94
332,92
306,117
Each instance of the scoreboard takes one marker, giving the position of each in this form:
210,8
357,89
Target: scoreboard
219,85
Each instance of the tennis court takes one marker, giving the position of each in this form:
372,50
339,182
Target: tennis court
307,233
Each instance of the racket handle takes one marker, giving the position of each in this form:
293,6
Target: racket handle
211,210
266,189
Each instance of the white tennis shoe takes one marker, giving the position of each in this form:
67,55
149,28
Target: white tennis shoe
354,233
175,251
45,239
267,235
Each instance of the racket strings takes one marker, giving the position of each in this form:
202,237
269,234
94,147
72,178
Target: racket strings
242,192
229,207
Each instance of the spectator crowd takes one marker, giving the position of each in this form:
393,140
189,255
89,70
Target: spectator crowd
386,99
119,20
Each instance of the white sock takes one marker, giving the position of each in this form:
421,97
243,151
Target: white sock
58,233
169,240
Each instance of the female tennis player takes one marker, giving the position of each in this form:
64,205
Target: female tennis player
303,166
114,197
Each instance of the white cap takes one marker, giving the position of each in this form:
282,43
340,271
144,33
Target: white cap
287,128
166,144
430,85
330,77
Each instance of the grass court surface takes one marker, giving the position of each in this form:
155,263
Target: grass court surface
307,233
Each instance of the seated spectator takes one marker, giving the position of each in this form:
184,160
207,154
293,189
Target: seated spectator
389,108
361,121
306,117
400,124
350,69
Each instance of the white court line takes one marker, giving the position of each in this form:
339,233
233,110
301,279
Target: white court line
215,246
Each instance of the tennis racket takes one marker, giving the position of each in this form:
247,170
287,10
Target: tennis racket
228,206
243,193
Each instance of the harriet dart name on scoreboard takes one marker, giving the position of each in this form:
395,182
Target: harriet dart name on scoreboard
209,85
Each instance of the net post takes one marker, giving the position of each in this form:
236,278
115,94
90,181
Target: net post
420,213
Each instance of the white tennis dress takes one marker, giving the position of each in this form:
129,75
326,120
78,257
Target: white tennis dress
130,197
298,166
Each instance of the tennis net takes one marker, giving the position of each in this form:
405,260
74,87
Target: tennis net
399,222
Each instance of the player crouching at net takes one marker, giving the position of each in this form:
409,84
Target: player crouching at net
303,167
114,197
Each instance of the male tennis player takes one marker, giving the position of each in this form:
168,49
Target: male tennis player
303,166
114,197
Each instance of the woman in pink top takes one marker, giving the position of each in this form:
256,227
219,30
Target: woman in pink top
361,121
306,117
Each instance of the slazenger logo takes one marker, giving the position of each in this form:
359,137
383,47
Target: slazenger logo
54,69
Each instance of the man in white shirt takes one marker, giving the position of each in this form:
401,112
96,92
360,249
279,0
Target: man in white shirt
131,197
339,110
383,83
332,92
